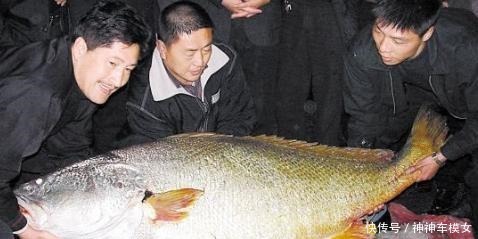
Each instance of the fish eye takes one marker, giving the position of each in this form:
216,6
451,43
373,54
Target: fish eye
29,189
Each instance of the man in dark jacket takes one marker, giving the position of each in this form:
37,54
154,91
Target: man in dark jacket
416,52
49,91
190,84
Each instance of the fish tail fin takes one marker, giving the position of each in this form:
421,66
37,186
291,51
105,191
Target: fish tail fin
427,136
172,205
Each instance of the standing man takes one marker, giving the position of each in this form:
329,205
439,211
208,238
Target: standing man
49,92
190,84
313,42
26,21
415,52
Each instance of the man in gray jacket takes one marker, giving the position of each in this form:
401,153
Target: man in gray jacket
190,84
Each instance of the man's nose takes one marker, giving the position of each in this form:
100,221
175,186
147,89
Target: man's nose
118,77
384,45
199,59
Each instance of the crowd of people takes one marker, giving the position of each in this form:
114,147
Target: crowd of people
79,78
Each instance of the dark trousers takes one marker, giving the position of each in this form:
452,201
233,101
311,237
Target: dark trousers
260,65
309,88
471,181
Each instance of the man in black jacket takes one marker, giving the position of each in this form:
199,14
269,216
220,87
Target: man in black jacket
49,91
416,52
190,84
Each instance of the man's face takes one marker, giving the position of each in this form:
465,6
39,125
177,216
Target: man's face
102,71
396,46
187,56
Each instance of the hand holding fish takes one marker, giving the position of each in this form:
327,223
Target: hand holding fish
31,233
428,166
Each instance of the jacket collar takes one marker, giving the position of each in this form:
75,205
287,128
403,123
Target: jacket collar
162,87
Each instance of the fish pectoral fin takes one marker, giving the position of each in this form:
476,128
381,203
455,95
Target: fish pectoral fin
357,230
172,206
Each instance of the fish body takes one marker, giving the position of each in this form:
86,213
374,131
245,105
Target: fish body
218,186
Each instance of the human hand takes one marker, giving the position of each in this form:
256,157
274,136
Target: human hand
253,3
251,7
60,2
428,167
31,233
241,8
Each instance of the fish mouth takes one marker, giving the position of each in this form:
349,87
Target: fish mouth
31,210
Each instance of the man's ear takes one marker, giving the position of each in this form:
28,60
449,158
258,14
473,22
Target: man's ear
428,34
162,48
79,48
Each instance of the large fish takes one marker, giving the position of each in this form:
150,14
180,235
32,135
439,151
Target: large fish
215,186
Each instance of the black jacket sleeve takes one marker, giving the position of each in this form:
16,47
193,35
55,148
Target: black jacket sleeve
23,114
72,142
143,125
28,111
236,108
465,141
362,104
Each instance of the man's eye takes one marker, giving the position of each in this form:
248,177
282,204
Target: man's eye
112,64
398,42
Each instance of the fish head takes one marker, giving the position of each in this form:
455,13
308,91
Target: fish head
84,199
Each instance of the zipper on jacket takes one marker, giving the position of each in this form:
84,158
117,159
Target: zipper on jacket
434,92
392,91
205,108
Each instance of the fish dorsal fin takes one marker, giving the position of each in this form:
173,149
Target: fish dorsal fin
347,153
172,206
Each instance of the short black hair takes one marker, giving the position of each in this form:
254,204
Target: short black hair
110,21
182,17
415,15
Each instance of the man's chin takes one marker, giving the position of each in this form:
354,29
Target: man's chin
390,62
99,100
